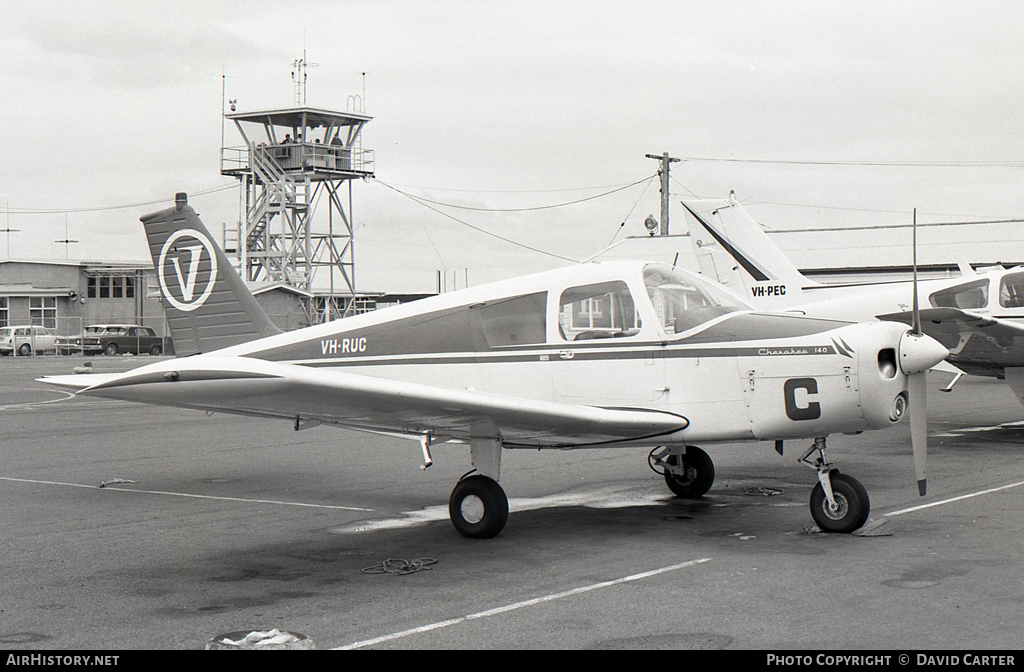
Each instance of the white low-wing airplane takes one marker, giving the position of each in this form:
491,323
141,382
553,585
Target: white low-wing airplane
599,355
978,317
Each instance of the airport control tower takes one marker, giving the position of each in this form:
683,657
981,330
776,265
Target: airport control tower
296,162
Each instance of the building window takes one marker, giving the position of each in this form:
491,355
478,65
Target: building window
105,287
90,291
3,312
129,287
43,311
117,287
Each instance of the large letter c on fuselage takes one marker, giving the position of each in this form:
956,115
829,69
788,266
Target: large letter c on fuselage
812,411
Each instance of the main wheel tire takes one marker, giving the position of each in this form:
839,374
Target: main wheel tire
25,350
478,507
700,474
852,500
111,349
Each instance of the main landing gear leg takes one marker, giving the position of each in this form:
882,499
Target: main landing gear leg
478,506
839,503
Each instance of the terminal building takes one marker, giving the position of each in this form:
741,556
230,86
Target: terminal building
66,296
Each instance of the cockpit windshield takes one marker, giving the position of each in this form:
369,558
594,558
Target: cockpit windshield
683,301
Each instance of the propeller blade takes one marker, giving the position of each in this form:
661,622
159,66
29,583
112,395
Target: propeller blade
917,379
916,327
917,389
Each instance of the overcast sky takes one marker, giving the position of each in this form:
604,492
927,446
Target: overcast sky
518,105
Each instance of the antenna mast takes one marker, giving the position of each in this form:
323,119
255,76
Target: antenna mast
299,77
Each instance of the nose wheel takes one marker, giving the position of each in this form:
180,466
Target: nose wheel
839,503
850,509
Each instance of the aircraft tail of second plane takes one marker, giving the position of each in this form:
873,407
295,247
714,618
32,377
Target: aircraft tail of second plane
207,304
769,277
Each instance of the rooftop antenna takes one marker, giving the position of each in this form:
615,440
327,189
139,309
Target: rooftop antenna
66,240
8,230
299,76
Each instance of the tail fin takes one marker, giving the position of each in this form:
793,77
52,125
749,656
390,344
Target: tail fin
207,304
769,277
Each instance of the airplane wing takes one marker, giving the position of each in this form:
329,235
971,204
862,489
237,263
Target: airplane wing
978,344
246,386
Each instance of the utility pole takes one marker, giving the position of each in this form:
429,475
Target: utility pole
665,160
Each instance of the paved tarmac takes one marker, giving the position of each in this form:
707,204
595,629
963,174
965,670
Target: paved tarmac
220,524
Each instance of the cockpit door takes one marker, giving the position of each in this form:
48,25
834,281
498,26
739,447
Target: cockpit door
606,354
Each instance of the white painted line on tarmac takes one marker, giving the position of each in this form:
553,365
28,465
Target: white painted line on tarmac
185,494
518,605
599,498
955,499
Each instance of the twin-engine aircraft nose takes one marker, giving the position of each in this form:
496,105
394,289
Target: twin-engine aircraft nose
919,352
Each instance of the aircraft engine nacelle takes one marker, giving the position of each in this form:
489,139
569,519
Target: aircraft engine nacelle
882,380
857,383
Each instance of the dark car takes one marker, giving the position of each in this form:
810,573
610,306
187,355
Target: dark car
114,339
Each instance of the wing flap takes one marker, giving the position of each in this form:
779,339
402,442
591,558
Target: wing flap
256,387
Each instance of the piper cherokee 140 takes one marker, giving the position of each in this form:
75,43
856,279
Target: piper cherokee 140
597,355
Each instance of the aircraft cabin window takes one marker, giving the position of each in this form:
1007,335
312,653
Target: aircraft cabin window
602,310
969,295
683,302
1011,290
519,320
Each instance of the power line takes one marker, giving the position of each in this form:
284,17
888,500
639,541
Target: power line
882,227
897,164
103,208
550,191
475,228
530,209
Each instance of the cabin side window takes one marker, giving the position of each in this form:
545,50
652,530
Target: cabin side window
519,320
1011,290
601,310
969,295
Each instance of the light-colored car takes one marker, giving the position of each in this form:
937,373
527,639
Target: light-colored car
26,340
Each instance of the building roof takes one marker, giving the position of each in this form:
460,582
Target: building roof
301,116
26,289
258,288
90,265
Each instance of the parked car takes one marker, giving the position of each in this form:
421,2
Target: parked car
69,345
114,339
25,340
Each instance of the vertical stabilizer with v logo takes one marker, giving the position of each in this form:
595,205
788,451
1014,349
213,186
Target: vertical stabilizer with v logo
207,304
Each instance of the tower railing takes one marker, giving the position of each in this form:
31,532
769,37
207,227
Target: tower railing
312,157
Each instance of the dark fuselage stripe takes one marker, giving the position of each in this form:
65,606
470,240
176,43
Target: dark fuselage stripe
573,354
